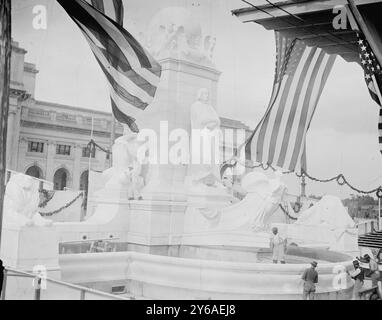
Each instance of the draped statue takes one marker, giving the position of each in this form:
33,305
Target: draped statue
205,128
126,172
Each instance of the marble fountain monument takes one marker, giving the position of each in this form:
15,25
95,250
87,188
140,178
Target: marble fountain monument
179,235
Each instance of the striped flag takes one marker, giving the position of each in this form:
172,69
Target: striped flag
301,74
132,74
373,77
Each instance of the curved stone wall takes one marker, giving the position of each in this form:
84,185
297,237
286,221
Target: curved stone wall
163,277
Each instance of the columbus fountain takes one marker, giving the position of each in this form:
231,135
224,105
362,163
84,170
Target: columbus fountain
177,234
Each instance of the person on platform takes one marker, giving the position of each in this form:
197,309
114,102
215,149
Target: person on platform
278,246
358,276
310,277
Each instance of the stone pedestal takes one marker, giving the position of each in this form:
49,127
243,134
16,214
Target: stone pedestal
29,249
169,111
25,247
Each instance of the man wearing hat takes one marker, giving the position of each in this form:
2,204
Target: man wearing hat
310,277
358,276
373,269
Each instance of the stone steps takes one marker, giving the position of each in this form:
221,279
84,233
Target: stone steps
371,240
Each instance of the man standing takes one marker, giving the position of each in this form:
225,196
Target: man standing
357,275
373,273
278,246
373,270
310,277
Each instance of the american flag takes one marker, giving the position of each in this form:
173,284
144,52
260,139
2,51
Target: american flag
301,74
373,77
132,74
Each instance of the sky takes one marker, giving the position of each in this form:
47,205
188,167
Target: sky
343,137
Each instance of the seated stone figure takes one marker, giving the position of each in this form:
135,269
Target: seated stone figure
21,202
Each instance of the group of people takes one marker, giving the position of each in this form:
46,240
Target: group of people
278,246
359,274
310,276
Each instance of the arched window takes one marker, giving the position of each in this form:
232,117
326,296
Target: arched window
84,181
60,179
34,171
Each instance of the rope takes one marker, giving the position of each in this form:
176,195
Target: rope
287,213
48,195
51,213
340,178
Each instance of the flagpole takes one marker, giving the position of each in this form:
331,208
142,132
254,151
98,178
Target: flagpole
379,214
303,169
90,148
112,138
5,66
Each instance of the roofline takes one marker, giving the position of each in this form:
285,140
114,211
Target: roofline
237,123
249,14
74,108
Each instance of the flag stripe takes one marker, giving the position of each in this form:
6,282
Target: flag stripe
137,85
289,126
82,16
297,105
280,113
304,114
131,48
263,129
132,74
123,104
327,70
98,4
119,11
122,117
121,91
279,138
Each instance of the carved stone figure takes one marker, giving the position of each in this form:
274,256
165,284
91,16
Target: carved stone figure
204,122
270,191
175,32
21,202
126,172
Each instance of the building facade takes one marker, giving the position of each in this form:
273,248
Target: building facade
50,141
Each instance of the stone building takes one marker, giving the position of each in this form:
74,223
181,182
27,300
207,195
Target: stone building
49,140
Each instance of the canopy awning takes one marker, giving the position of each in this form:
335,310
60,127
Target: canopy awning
310,21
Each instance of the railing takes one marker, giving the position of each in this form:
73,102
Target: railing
39,278
367,226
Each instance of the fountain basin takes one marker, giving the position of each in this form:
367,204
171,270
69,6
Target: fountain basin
168,277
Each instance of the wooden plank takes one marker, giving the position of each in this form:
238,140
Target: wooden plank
5,67
249,14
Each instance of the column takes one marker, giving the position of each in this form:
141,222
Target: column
77,167
12,135
22,150
50,160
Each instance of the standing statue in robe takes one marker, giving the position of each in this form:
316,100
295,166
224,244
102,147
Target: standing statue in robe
204,122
